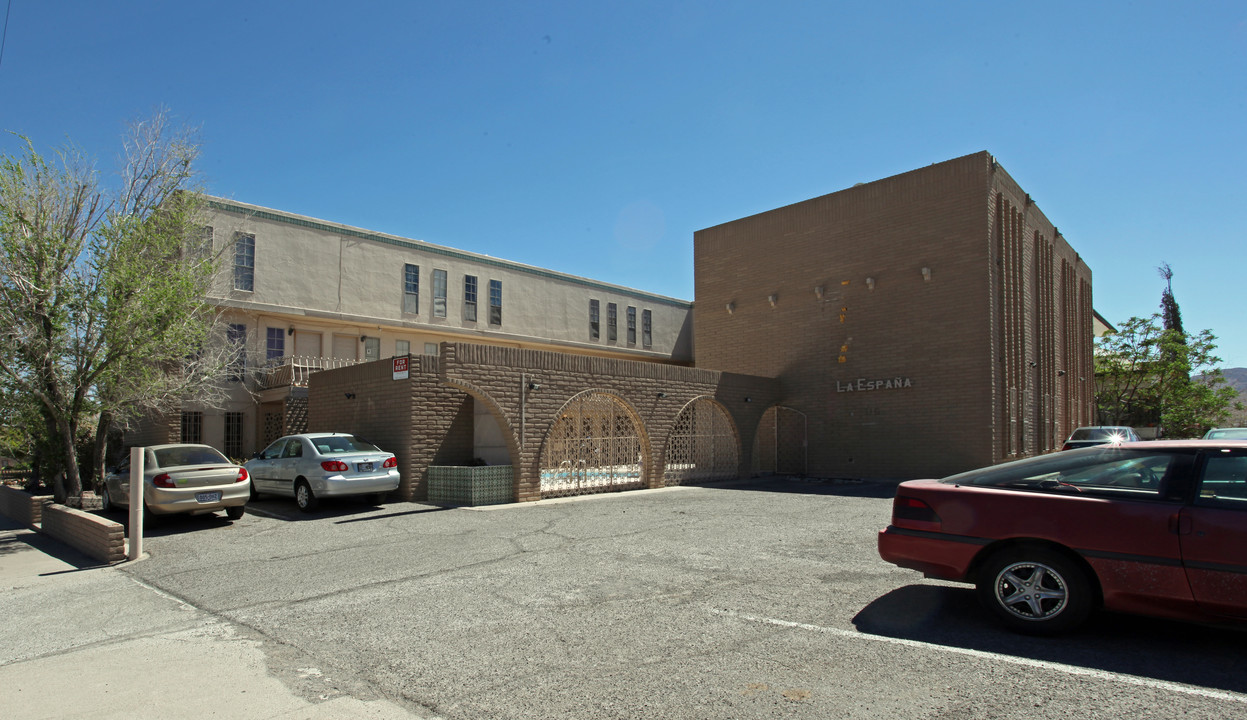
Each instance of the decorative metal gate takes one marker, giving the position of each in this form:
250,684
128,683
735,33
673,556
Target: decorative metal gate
779,445
703,445
595,446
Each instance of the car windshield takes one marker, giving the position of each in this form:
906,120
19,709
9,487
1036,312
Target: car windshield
175,456
337,444
1226,433
1098,467
1101,433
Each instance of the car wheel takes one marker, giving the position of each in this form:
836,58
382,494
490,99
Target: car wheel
255,495
235,512
1036,591
106,501
303,496
377,498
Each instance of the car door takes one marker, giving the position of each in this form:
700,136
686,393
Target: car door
288,467
261,466
1213,533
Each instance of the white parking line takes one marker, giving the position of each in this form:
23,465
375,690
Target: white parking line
983,655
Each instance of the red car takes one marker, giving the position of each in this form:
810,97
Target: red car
1154,528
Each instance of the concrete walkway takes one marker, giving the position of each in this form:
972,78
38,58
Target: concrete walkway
81,640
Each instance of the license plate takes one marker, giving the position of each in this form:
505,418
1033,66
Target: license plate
208,497
365,467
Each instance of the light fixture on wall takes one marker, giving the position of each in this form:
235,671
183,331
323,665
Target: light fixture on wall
772,299
731,308
290,330
363,338
1032,363
748,399
534,386
662,394
1060,373
870,283
818,291
926,274
350,396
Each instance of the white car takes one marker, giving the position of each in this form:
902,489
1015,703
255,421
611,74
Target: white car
191,479
312,466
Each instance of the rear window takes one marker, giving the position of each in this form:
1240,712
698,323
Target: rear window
338,444
175,456
1101,470
1097,433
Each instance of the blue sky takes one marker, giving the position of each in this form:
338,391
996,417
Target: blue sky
594,138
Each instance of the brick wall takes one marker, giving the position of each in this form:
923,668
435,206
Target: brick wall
908,281
95,536
20,506
427,419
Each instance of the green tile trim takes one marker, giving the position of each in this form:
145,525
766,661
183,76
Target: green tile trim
445,251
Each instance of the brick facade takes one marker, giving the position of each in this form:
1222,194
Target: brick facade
427,419
926,323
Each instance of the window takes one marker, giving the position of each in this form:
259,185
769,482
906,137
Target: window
237,336
411,289
594,319
632,326
647,328
233,435
201,245
192,427
612,322
469,298
244,262
1224,482
495,302
431,349
372,349
439,293
275,347
402,347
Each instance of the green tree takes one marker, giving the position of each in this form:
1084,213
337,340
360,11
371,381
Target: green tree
1143,377
102,290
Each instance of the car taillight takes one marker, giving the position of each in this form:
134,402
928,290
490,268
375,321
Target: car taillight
390,462
242,475
906,509
163,480
334,466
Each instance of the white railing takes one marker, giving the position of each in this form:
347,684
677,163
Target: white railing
294,370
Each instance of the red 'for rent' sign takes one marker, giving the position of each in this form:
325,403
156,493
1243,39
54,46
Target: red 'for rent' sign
400,368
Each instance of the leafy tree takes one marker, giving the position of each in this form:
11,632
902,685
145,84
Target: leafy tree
102,312
1143,377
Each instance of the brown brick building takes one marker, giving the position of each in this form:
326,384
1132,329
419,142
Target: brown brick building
922,324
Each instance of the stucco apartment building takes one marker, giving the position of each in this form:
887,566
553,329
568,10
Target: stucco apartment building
917,325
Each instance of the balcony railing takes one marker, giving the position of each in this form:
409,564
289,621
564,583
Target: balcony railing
294,371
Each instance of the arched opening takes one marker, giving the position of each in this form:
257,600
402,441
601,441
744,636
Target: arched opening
595,445
779,446
703,445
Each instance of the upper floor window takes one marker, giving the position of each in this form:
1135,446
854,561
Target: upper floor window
402,347
244,262
647,328
632,326
237,336
411,289
431,349
201,244
594,319
495,302
439,293
469,298
275,347
612,322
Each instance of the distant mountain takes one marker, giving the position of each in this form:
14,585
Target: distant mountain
1236,378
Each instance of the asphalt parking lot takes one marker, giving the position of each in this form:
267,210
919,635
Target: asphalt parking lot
738,600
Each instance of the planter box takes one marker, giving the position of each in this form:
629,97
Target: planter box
463,485
95,536
20,506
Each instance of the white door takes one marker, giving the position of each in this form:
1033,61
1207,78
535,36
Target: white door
344,347
307,344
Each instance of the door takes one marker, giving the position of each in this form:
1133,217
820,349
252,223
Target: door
307,344
372,349
286,469
1213,531
344,347
262,468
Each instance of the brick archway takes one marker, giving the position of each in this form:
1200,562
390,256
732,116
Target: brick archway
596,444
704,444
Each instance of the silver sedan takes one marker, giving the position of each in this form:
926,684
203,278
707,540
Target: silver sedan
312,466
191,479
